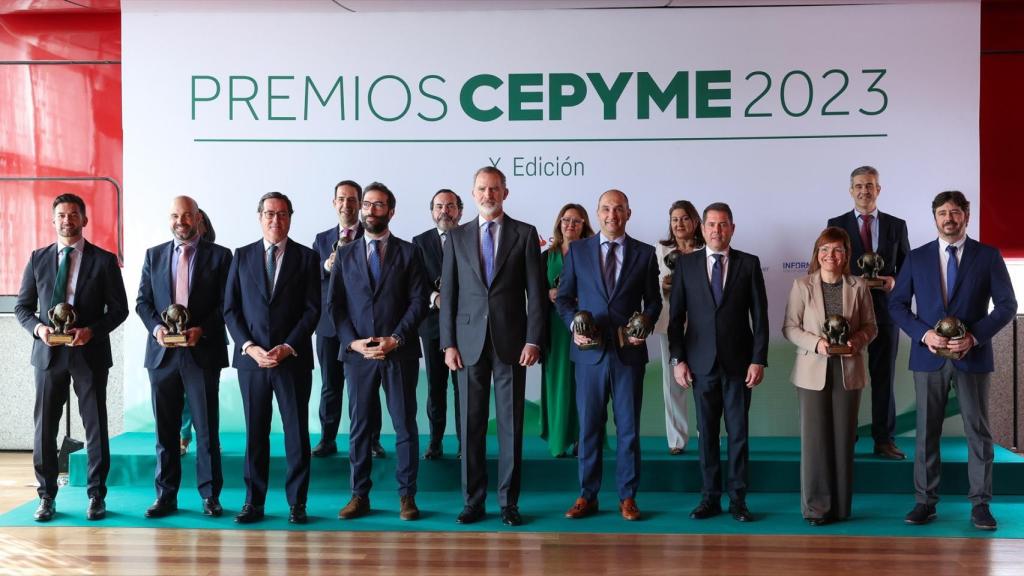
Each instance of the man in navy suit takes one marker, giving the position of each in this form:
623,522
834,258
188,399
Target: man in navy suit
271,306
347,196
718,336
192,273
79,273
445,211
376,301
871,230
612,276
959,277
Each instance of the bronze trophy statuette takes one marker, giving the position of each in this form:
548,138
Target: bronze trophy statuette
670,259
871,263
953,329
583,324
62,319
638,326
176,318
837,332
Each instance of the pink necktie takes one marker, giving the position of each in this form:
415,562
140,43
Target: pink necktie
181,282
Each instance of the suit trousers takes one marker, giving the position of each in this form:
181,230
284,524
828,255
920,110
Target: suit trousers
437,391
677,429
52,392
828,426
474,403
177,379
291,388
882,369
932,390
717,394
623,383
365,379
332,383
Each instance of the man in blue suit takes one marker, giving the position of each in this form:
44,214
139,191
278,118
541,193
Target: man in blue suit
376,301
76,272
347,196
271,306
611,275
192,273
718,337
952,276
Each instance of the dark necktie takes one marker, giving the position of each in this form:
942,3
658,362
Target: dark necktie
60,287
444,237
951,270
487,247
716,279
374,261
271,268
865,232
610,266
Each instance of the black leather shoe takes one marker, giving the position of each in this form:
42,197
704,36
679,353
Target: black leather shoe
706,509
297,514
740,512
212,507
982,517
376,449
434,452
819,521
921,514
510,515
324,449
46,511
97,509
249,514
469,515
161,508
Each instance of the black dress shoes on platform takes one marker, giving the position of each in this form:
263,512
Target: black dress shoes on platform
46,511
982,518
434,452
212,507
706,509
469,515
740,512
376,449
249,514
921,514
324,449
161,508
97,509
510,515
297,514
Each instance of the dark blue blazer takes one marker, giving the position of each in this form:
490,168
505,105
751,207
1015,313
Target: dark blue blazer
893,246
735,333
205,301
431,254
323,244
982,277
395,306
582,288
288,316
100,303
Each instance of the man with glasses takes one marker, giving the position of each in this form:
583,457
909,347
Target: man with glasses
271,306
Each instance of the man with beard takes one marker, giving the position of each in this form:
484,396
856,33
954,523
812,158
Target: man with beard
491,323
446,211
190,272
347,196
952,276
376,300
78,273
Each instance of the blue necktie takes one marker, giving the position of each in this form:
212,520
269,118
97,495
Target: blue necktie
374,260
716,279
271,268
60,287
487,247
951,269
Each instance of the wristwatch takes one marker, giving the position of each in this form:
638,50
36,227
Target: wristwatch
398,339
674,362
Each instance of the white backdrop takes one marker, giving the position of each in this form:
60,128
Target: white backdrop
784,174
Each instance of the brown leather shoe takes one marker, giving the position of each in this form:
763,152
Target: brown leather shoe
629,510
582,508
408,509
356,507
889,451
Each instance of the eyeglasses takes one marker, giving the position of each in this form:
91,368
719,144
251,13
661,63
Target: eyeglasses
374,205
567,221
268,215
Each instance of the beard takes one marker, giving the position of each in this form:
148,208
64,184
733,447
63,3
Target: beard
445,223
376,226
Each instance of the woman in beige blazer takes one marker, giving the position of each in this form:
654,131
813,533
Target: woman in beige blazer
828,386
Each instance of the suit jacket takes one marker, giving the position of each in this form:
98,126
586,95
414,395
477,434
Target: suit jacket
288,316
100,303
805,316
734,334
511,309
396,305
582,287
205,301
893,246
431,256
982,276
323,244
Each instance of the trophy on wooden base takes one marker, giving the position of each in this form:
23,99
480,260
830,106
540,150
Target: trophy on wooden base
62,318
872,263
176,318
638,326
837,332
952,328
583,324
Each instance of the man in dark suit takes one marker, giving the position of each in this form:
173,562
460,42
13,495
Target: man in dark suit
347,196
871,230
491,324
376,300
446,211
75,272
953,276
718,336
612,276
271,306
192,273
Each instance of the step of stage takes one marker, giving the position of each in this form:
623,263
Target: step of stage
774,466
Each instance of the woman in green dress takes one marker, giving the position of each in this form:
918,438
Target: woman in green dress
559,424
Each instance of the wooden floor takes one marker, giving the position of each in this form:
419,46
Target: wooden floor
116,551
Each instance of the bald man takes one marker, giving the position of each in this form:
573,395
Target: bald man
191,272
